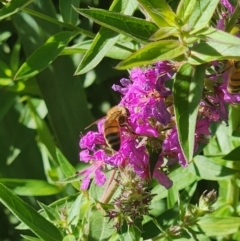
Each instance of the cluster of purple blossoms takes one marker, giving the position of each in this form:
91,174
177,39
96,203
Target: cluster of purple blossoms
151,120
151,124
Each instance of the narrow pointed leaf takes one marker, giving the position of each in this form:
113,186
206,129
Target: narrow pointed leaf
184,10
217,36
206,168
44,55
30,187
116,52
50,212
15,56
67,168
7,100
28,215
187,93
105,38
43,131
219,226
13,7
153,52
29,238
74,212
136,28
209,51
160,12
202,13
231,23
100,228
69,238
164,33
74,178
233,155
68,14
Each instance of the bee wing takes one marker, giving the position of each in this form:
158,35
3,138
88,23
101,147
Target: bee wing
95,122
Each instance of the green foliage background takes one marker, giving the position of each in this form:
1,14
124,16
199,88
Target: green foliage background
52,107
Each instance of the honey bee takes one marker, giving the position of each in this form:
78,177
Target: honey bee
233,84
116,117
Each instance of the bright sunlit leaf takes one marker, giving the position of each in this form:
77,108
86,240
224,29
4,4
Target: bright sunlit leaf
105,39
135,28
44,55
160,12
153,52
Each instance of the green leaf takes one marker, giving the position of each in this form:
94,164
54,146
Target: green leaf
44,55
69,238
29,238
224,139
74,214
160,12
120,51
133,233
51,213
105,39
5,74
30,187
74,178
202,13
172,197
100,228
153,52
13,7
185,10
191,233
231,23
7,100
233,155
217,36
181,178
43,131
68,14
15,56
25,213
219,226
63,93
135,28
234,120
164,33
187,93
66,167
208,169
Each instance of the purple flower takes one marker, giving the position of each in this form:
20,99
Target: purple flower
151,124
94,170
161,176
91,139
171,148
144,96
227,5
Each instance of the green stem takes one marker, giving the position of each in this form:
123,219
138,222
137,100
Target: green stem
233,194
110,188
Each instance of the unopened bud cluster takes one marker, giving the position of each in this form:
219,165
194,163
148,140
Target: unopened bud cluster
133,201
193,213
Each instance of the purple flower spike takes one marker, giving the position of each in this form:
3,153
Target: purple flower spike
150,126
